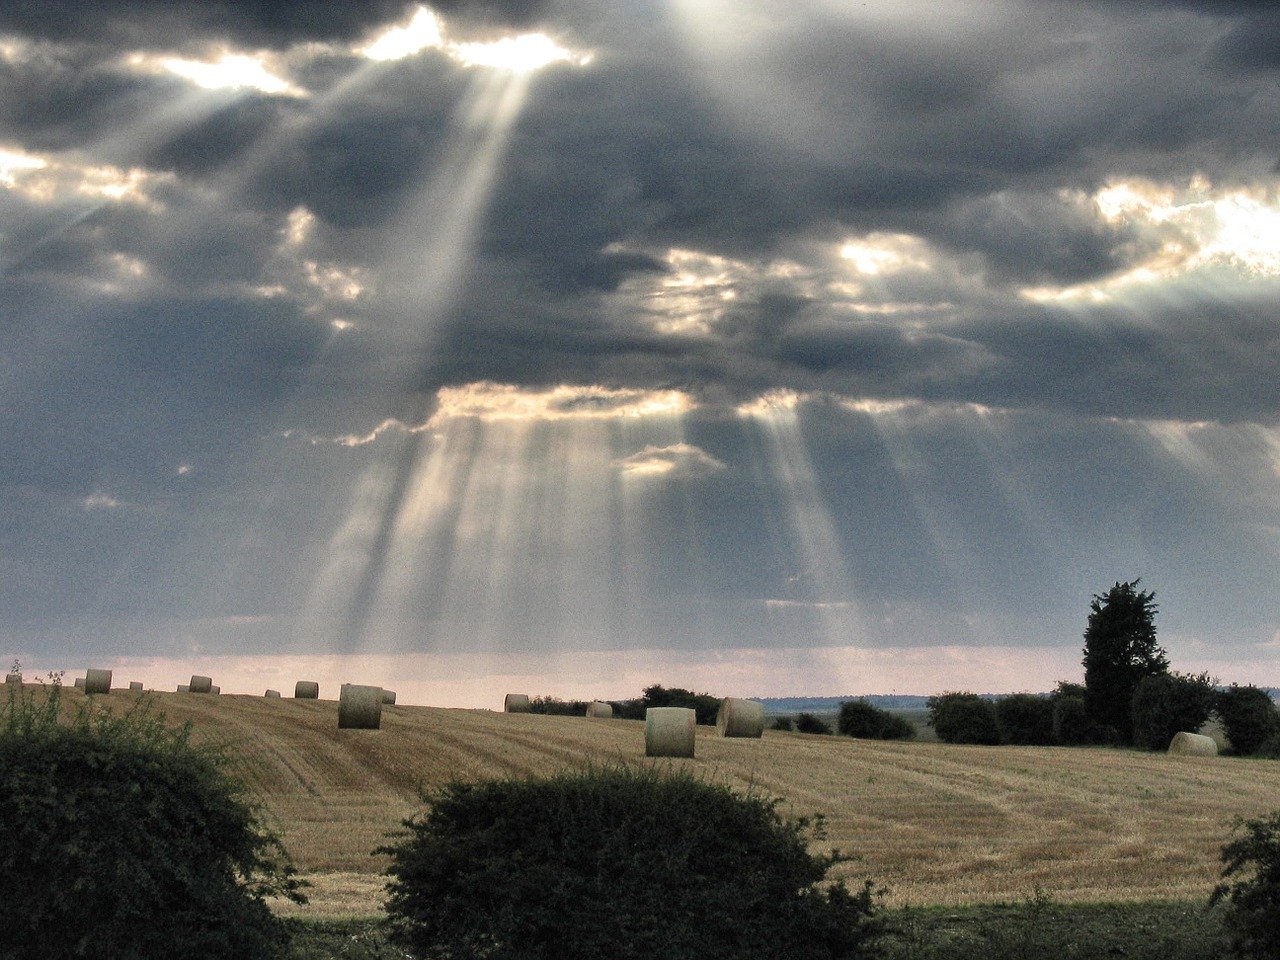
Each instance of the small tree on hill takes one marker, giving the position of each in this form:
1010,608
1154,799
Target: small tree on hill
963,718
1120,649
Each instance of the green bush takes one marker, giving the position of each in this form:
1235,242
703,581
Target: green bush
1253,898
1249,717
1071,724
557,707
861,718
704,705
783,723
1025,719
123,839
812,723
1269,748
963,718
618,863
1167,703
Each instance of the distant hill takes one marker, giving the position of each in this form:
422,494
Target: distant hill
777,705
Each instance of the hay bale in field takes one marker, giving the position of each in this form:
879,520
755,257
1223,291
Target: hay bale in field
359,707
79,684
740,718
516,703
306,690
184,688
215,689
669,731
272,694
135,684
388,698
199,684
1193,745
97,681
13,678
598,708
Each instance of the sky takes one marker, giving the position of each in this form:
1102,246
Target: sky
766,349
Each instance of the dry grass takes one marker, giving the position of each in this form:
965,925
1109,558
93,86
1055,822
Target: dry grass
937,824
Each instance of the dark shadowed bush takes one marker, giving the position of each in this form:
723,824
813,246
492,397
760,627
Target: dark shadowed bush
1252,858
963,718
811,723
1025,719
616,863
704,705
861,718
783,723
1167,703
123,839
1071,724
554,706
1249,717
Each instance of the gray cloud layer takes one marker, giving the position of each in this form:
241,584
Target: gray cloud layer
256,285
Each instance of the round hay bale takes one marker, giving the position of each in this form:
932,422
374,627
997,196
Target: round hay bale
184,688
516,703
740,718
135,684
306,690
79,684
388,698
598,708
199,684
359,707
669,731
97,681
1193,745
272,694
215,689
13,678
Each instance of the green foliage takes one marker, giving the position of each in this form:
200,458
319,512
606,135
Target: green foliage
963,718
1269,748
1120,649
122,838
1249,717
1167,703
1066,688
1252,858
1071,724
812,723
861,718
783,723
618,863
1025,719
703,704
556,707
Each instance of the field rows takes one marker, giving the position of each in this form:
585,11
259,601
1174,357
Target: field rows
936,824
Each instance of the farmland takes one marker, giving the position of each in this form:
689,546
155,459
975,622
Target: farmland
934,823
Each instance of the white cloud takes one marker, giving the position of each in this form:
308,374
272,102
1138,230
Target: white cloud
678,460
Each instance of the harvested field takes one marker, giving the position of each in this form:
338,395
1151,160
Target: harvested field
936,824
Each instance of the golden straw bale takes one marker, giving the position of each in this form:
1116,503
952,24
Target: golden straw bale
669,731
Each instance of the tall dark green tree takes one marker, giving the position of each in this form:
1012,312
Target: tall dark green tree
1120,649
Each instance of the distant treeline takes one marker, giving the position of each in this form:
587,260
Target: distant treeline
703,704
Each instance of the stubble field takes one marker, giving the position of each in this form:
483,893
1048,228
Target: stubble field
934,823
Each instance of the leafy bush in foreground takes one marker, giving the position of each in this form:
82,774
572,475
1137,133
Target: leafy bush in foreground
123,839
616,863
1249,717
1253,899
861,718
963,718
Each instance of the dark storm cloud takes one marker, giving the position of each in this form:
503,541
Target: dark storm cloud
251,22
